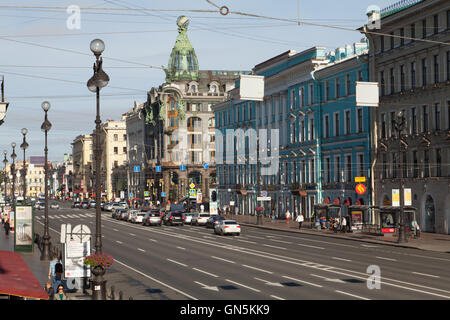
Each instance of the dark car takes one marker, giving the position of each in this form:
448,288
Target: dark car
173,218
76,204
85,205
211,223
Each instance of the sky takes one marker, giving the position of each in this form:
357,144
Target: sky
44,59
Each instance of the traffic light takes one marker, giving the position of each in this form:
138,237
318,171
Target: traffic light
214,196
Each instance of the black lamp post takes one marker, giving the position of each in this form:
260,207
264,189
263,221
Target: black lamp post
13,172
5,161
24,146
46,126
399,125
99,80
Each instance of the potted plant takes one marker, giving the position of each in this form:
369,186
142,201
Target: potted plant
98,262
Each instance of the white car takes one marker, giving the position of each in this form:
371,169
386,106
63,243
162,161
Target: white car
136,216
188,217
200,219
54,205
39,205
227,227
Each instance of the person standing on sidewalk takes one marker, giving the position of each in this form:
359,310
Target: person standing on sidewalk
51,271
299,220
7,226
344,224
288,215
50,291
61,294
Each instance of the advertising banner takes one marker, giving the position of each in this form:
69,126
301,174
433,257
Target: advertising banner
23,226
407,194
395,197
74,254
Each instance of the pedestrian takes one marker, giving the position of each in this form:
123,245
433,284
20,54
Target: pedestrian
54,271
416,228
202,208
6,226
288,215
344,224
50,291
299,220
61,294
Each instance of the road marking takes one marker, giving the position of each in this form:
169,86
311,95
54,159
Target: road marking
207,287
254,268
82,215
239,284
116,230
63,216
369,246
119,242
141,249
328,279
336,258
281,241
426,275
158,281
349,294
277,297
255,237
307,245
386,258
267,245
246,241
222,259
276,284
132,234
181,248
181,264
206,272
301,281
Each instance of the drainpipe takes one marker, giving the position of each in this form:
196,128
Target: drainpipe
319,140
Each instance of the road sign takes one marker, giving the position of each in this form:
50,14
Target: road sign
158,168
163,194
130,194
264,198
137,169
182,167
360,188
192,186
146,193
192,192
360,179
263,193
205,166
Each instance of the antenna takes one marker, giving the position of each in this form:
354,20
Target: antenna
3,89
298,12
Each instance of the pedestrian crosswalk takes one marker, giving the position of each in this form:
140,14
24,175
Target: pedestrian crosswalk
66,216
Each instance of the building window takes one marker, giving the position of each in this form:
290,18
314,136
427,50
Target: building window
302,130
448,115
116,164
392,40
327,126
348,168
336,124
124,149
404,165
361,165
402,77
415,165
438,162
424,28
337,88
424,118
116,150
312,171
347,121
382,83
426,162
383,126
311,94
337,169
436,68
424,72
448,19
382,43
436,24
116,137
392,80
437,116
413,120
402,35
413,31
311,129
293,99
302,97
448,65
327,170
360,75
347,84
359,115
392,123
413,75
327,88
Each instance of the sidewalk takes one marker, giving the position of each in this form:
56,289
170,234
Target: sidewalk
427,241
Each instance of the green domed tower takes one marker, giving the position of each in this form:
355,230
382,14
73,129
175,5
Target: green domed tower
183,63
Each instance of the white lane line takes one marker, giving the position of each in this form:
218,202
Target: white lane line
307,245
206,272
336,258
181,264
254,268
63,216
119,242
281,241
222,259
132,234
141,249
239,284
385,258
153,240
352,295
181,248
255,237
115,230
246,241
82,215
267,245
426,275
275,297
158,281
301,281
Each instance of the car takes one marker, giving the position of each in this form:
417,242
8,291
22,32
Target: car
200,219
76,204
135,216
54,205
173,218
224,227
152,217
188,217
116,205
39,205
102,206
212,221
84,205
92,204
122,214
124,204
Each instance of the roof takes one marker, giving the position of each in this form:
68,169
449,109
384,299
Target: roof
16,278
398,6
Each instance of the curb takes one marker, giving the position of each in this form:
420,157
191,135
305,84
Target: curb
337,237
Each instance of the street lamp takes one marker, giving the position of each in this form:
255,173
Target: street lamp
13,172
99,80
5,161
399,125
24,146
46,126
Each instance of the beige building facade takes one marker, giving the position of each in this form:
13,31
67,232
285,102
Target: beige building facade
83,168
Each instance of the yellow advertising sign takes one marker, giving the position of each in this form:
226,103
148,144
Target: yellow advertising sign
360,179
408,197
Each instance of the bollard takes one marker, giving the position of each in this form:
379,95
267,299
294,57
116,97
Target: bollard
130,298
120,295
112,296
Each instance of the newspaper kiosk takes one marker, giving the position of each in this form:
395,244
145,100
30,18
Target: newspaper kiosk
325,212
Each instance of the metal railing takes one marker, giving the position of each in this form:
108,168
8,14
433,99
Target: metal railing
398,6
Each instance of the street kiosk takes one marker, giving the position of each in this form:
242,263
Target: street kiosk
325,211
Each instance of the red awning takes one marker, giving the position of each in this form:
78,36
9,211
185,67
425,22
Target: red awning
347,202
337,201
326,201
16,278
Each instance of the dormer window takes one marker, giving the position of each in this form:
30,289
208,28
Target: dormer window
213,88
193,88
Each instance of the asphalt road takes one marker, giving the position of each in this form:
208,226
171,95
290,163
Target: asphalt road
192,262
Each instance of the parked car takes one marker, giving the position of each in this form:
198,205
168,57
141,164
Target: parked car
173,218
76,204
102,205
224,227
39,205
92,204
151,218
84,205
136,216
200,219
188,217
212,221
124,204
121,214
54,205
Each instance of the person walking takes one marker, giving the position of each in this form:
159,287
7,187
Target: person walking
50,291
299,220
344,225
7,226
54,271
61,294
288,215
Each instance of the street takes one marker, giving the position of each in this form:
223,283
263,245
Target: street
194,263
